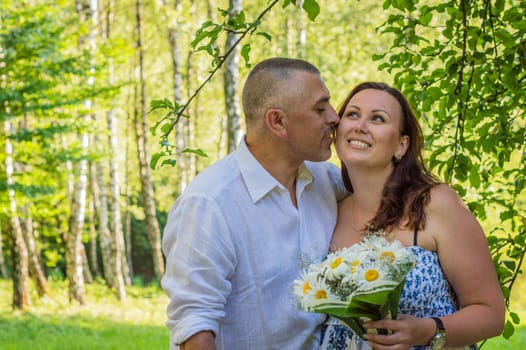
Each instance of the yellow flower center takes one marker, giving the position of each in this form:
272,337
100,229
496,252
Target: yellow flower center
388,256
306,287
321,294
353,265
336,262
371,275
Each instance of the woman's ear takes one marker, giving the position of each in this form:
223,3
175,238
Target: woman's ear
275,120
403,146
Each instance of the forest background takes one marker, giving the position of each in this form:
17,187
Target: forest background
110,107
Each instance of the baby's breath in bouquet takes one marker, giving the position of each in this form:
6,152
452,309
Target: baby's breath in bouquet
359,283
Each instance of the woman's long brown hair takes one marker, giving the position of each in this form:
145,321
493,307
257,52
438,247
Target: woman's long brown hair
407,190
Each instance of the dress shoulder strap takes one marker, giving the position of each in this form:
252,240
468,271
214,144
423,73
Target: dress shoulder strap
415,237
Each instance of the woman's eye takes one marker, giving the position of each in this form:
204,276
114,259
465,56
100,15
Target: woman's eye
352,115
378,119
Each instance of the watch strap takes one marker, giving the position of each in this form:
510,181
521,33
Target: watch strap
440,325
439,340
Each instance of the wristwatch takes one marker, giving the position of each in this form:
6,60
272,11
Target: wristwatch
439,340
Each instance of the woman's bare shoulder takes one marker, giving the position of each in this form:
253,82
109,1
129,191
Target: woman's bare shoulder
444,198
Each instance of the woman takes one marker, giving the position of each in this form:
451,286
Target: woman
452,297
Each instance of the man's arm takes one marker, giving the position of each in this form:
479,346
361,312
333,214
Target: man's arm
203,340
199,257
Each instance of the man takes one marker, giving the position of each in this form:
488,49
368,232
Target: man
245,227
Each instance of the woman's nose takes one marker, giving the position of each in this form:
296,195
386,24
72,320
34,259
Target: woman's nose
361,125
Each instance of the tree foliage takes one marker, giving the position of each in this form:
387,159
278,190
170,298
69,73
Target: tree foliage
40,90
42,96
463,65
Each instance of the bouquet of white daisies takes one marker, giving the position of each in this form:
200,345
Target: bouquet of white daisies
356,284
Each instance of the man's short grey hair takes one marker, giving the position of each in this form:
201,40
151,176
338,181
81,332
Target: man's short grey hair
267,81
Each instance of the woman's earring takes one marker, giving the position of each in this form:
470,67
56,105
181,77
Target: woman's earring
398,157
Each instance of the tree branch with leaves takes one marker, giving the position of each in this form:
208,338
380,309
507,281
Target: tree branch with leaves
206,39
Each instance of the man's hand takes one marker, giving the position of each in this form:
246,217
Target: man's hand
203,340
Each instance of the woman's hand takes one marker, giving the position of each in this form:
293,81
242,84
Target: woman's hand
405,331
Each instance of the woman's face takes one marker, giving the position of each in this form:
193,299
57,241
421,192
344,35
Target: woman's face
369,131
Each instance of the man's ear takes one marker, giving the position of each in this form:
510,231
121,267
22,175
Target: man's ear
275,120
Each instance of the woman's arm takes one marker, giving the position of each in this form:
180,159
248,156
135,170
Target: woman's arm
466,260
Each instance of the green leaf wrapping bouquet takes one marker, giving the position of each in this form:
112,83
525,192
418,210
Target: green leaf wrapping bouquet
359,283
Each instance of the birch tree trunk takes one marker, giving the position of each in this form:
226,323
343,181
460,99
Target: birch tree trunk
106,240
296,32
193,122
230,84
69,166
120,267
3,268
74,238
127,215
105,235
302,30
35,267
147,192
181,129
20,269
74,254
19,259
94,266
121,273
88,277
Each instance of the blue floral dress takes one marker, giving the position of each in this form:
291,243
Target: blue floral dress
426,293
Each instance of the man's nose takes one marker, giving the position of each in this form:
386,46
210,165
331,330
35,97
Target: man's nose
332,117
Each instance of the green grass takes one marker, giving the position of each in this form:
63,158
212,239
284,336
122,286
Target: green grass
104,323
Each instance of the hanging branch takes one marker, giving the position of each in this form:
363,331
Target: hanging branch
176,111
458,89
211,31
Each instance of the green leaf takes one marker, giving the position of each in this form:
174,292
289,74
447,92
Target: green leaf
171,162
312,8
155,158
508,214
265,35
354,324
161,104
398,4
200,36
510,264
474,177
377,298
515,317
245,53
240,19
166,127
286,3
153,129
197,151
509,329
426,18
377,57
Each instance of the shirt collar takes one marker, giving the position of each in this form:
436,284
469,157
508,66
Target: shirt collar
258,180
